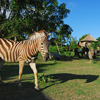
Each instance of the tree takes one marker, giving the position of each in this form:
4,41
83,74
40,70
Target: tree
10,27
98,39
73,43
83,37
28,16
46,14
63,34
3,8
96,44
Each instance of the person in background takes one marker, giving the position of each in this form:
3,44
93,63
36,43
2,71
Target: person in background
85,45
78,44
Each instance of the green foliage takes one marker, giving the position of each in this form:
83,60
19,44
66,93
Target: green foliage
27,16
63,34
94,61
62,49
70,54
44,79
73,43
98,39
53,49
96,44
83,37
14,29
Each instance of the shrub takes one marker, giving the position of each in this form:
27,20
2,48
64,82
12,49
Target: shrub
94,61
62,49
53,49
44,78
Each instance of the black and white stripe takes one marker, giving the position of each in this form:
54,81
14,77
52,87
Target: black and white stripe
12,51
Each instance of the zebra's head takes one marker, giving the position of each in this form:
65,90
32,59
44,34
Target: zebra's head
43,43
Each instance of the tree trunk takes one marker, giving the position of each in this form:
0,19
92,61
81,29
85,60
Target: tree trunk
15,38
58,48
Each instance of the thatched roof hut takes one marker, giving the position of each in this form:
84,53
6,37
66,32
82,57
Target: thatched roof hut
88,39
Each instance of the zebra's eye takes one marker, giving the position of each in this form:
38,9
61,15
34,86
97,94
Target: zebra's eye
41,43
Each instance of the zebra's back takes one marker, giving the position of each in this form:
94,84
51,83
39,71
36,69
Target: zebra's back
12,51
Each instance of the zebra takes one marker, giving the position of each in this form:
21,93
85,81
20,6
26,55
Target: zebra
24,52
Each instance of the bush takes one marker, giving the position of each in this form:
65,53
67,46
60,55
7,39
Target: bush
62,49
94,61
53,49
44,78
70,54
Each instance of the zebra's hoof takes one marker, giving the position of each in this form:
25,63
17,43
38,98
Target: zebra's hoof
2,83
37,88
20,85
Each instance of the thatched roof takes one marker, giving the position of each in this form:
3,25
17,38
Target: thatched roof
88,38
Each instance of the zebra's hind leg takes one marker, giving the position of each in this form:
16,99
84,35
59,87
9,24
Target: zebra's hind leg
1,64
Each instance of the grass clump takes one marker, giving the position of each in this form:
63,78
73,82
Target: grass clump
94,61
44,79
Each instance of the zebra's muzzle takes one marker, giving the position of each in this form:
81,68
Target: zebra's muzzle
46,56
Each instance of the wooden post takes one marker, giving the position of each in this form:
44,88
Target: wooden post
58,48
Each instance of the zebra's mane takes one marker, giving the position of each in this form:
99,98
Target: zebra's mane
37,34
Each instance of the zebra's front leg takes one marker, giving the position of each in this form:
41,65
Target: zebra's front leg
33,67
21,65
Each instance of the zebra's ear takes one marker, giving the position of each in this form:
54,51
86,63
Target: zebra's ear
48,35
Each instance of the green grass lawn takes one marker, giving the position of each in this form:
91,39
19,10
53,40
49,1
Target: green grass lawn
73,79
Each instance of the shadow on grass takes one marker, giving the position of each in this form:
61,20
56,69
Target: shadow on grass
11,91
13,70
63,77
66,58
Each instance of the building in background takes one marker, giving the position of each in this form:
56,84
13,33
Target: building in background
88,39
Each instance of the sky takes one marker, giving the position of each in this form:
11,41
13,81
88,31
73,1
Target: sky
84,17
